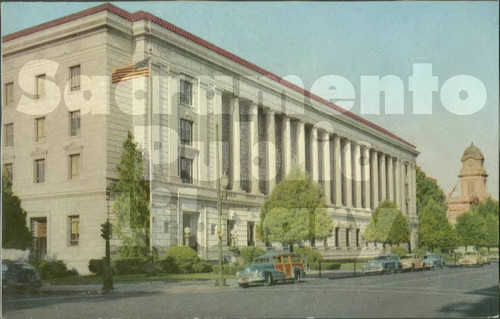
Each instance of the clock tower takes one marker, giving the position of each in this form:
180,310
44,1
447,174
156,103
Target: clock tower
472,183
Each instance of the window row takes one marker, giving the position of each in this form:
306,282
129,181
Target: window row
40,85
39,169
74,129
38,227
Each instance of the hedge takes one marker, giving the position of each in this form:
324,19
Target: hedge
312,255
96,266
185,257
324,266
129,266
202,267
49,269
228,269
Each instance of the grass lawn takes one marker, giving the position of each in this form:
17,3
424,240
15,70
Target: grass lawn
92,279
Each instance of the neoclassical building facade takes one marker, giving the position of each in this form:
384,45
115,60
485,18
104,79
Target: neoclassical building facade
472,180
75,86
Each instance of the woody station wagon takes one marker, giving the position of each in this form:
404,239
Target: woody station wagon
272,267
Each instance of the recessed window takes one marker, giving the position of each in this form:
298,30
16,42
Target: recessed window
250,234
186,92
357,238
186,170
74,123
9,134
74,230
74,166
9,93
8,167
74,73
40,129
40,86
336,237
186,132
40,171
347,235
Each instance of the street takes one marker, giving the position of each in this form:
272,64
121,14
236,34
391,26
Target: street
448,292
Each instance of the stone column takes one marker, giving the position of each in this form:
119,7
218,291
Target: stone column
314,154
357,175
271,149
413,194
403,188
235,145
367,177
383,182
390,170
397,185
327,177
374,179
348,173
301,145
254,148
337,170
286,155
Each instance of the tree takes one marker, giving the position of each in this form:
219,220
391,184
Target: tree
470,229
427,189
487,207
295,211
491,231
15,232
387,225
131,201
434,228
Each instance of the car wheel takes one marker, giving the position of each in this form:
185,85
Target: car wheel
296,278
244,285
268,281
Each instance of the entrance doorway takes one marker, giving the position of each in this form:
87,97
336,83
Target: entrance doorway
39,233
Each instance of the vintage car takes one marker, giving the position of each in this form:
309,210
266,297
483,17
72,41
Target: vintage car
272,267
433,260
411,262
493,257
471,258
383,264
18,275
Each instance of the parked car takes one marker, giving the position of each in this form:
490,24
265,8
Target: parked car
486,258
18,275
272,267
433,260
411,262
471,258
383,264
494,257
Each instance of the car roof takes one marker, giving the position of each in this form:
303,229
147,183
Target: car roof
275,254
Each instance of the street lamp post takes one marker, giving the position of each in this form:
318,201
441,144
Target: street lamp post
220,282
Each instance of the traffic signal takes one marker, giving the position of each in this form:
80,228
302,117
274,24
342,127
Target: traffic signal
106,230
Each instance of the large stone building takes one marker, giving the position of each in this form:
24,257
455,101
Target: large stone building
72,92
472,184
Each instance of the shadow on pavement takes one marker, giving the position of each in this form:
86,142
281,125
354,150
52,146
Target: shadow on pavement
486,307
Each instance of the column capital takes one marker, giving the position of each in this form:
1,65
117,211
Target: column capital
253,107
269,111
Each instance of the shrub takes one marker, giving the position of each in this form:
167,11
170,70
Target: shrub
49,269
202,267
400,251
249,253
228,269
168,265
347,260
129,266
312,255
324,266
72,272
95,266
185,257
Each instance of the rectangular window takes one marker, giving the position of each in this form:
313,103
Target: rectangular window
186,170
75,77
74,230
470,186
336,237
39,129
40,171
230,234
9,170
74,123
357,238
251,234
74,166
40,86
186,89
9,93
186,132
347,231
9,134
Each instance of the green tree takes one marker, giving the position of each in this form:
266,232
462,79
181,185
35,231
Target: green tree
491,231
427,189
295,211
131,202
15,232
470,229
487,207
434,228
387,225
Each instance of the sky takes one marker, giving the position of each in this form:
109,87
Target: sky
306,42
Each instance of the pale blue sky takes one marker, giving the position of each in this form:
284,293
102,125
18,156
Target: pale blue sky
312,40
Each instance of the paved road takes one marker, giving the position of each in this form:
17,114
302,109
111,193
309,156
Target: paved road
449,292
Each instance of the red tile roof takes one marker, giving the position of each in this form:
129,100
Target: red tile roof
141,15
